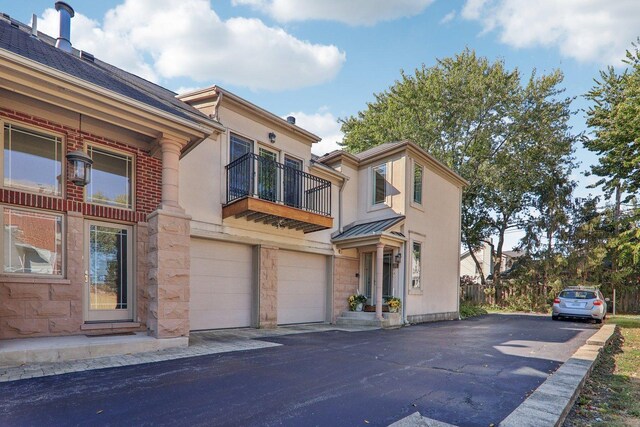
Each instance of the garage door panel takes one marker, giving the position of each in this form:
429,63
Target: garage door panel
222,268
302,287
221,285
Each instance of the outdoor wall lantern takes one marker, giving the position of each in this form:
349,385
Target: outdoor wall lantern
79,167
272,137
397,259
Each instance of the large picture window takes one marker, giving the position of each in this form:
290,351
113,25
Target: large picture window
32,242
32,161
416,261
417,183
111,179
379,184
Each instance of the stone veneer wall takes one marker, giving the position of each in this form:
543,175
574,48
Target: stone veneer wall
33,307
168,284
39,306
267,260
345,283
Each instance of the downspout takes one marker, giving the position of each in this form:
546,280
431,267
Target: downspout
405,288
344,182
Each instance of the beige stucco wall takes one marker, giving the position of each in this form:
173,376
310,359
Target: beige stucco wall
436,224
395,201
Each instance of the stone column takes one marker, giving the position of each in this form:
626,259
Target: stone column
267,276
170,173
168,254
379,276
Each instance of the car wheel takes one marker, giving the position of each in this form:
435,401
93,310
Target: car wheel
555,317
598,321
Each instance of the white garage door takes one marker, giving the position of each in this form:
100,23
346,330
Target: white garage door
221,285
302,287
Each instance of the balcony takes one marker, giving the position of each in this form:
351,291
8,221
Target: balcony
262,190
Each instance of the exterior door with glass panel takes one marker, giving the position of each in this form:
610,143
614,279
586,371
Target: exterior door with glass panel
369,275
108,274
292,182
240,177
267,175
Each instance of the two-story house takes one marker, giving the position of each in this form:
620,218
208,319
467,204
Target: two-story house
404,227
280,236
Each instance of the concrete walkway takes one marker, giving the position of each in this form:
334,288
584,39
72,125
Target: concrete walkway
39,357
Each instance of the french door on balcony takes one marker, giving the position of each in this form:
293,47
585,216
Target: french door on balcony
268,176
292,182
241,181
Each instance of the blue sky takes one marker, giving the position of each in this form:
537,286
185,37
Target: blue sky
324,59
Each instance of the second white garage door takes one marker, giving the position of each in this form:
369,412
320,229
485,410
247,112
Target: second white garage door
221,285
302,287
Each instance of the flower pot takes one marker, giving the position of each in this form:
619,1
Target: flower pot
359,307
393,309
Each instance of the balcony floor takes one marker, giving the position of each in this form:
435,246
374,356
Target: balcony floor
277,215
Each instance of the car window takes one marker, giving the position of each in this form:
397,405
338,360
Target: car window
578,294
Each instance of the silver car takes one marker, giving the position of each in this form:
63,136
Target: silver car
581,303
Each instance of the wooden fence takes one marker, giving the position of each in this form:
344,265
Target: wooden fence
627,300
478,294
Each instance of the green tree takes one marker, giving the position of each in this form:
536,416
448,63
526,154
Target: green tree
484,122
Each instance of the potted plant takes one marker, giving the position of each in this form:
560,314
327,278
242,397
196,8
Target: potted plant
356,302
393,303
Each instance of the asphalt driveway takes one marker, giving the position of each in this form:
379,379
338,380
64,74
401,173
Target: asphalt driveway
469,373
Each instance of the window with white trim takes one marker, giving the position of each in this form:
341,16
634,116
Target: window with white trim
416,262
379,184
111,178
32,161
32,242
418,171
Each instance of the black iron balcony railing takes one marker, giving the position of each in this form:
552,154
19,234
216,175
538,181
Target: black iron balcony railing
257,176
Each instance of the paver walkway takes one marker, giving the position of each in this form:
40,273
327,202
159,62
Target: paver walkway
200,344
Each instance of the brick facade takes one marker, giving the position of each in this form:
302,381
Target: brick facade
148,176
45,306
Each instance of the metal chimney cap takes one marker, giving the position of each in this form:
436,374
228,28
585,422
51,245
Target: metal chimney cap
65,6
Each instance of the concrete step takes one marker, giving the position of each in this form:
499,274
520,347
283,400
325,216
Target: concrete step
23,351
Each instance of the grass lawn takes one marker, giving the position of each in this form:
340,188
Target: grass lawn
611,396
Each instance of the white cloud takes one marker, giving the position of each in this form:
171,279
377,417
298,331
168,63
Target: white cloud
448,17
114,48
163,39
351,12
325,125
586,30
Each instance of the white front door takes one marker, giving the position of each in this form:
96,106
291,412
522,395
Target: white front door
108,272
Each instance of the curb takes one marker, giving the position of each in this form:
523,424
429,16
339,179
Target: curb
551,402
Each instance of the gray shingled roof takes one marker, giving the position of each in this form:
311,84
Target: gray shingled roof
371,228
17,39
